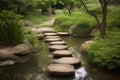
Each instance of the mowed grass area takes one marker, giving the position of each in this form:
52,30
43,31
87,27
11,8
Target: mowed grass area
36,18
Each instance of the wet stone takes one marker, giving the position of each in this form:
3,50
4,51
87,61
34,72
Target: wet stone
68,60
51,40
58,43
61,69
63,33
62,53
52,37
58,47
50,34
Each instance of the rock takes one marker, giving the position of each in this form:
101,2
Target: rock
93,32
51,40
22,49
44,29
61,69
68,60
63,33
72,29
58,47
62,53
40,36
52,37
5,54
84,46
50,34
58,43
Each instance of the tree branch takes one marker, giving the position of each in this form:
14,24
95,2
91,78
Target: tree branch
95,16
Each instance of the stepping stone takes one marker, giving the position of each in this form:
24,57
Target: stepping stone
44,29
58,43
61,69
50,34
51,40
62,53
63,33
52,37
58,47
68,60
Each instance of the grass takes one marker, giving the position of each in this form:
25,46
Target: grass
36,17
11,29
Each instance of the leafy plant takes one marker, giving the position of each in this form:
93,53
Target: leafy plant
11,30
106,52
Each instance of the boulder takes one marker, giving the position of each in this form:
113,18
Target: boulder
72,29
62,53
5,54
51,40
84,46
63,33
61,69
51,37
58,47
58,43
68,60
50,34
40,36
93,32
22,49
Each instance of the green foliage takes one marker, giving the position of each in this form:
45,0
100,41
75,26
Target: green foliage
83,21
106,52
113,17
32,39
11,31
36,18
18,6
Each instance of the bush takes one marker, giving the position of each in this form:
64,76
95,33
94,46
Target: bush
83,21
106,52
113,17
11,31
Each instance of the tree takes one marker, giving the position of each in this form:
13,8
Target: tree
103,23
69,4
46,6
18,6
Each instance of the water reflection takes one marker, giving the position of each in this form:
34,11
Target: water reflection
33,67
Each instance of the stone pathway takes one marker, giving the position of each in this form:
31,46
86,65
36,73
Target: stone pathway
64,64
47,23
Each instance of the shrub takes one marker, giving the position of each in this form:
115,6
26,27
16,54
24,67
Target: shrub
106,52
83,21
113,17
11,31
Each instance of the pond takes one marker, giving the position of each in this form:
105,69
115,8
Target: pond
33,67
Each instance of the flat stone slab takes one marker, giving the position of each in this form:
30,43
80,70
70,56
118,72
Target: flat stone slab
62,53
50,34
44,29
58,47
58,43
61,69
51,40
63,33
52,37
68,60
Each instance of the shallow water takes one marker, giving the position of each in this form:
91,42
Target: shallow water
34,67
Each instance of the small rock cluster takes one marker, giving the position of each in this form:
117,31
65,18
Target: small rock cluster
63,63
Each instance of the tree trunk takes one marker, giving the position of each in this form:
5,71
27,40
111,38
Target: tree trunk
104,19
69,12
